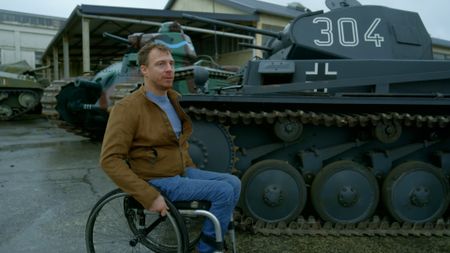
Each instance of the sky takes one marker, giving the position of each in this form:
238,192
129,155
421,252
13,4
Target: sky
434,15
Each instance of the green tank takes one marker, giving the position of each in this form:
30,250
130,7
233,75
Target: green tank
81,105
20,89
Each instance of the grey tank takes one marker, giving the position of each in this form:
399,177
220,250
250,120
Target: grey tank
345,120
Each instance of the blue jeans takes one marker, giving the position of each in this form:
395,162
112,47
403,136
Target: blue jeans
221,189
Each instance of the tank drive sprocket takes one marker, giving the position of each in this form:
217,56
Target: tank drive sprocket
214,154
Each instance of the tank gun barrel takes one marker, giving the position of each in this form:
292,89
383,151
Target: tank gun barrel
41,68
268,49
115,37
88,84
227,24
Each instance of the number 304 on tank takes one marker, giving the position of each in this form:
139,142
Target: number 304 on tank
347,32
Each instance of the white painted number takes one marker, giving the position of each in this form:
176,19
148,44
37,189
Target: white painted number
349,39
328,31
374,37
353,41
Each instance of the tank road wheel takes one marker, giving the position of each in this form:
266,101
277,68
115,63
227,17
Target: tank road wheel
288,130
28,99
211,147
416,192
273,191
345,192
388,132
5,112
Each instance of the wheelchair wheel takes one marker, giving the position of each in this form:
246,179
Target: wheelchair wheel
194,226
118,223
160,239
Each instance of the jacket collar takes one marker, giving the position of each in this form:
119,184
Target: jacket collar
174,96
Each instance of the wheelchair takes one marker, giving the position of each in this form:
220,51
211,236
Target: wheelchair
118,223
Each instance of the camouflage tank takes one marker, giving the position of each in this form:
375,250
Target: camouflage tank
20,89
81,105
343,128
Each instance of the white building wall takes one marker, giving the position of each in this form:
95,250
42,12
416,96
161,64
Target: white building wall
20,42
8,55
6,37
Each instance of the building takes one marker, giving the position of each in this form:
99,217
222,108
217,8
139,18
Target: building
25,36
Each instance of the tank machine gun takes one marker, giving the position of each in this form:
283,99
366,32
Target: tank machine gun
82,105
20,89
348,112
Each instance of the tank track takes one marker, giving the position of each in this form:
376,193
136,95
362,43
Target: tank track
48,102
326,119
313,226
17,111
48,99
121,90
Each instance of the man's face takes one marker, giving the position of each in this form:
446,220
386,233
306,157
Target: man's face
159,73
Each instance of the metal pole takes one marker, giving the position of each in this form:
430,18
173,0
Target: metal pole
66,56
55,64
86,45
151,23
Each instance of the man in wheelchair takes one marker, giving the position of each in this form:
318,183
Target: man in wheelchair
145,148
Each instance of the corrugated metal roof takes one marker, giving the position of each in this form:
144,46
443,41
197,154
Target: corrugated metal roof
264,7
254,7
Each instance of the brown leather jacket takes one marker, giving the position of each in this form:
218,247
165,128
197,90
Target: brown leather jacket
140,144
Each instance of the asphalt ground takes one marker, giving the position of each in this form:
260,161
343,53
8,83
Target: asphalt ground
50,180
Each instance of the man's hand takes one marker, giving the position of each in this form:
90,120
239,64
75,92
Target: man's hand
159,205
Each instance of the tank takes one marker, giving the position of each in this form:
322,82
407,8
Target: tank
342,128
81,105
20,89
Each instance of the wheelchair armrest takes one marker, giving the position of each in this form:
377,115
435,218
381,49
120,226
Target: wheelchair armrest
186,205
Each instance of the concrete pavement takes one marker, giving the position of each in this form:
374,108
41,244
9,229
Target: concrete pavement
49,181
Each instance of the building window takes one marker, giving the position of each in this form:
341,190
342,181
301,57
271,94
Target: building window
38,58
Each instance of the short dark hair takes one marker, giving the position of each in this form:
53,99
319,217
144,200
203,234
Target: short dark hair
147,48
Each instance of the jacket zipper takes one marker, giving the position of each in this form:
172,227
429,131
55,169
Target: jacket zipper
181,155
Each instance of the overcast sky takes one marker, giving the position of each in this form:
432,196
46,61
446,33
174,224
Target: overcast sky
434,14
